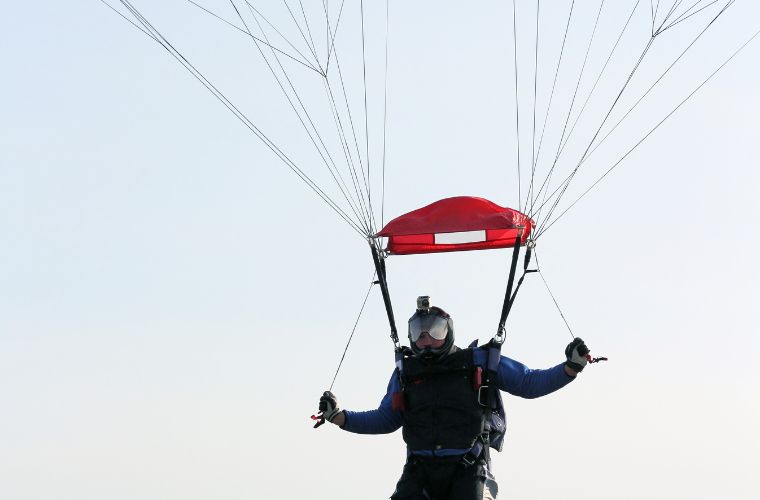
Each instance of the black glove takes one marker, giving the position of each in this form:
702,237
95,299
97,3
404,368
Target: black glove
328,405
577,354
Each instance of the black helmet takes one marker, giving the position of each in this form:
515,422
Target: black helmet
436,322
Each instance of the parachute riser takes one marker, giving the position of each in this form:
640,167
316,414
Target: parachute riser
383,282
494,346
528,254
509,295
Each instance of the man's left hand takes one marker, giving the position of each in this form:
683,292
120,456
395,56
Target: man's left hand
328,405
576,353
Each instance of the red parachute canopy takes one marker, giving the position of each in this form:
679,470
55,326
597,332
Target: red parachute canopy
455,224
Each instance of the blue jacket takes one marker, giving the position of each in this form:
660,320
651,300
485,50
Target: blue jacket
512,377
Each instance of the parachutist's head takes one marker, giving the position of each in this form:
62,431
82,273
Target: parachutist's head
431,330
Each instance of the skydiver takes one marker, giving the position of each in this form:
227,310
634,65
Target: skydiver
437,398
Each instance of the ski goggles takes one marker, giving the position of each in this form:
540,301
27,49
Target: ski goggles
431,323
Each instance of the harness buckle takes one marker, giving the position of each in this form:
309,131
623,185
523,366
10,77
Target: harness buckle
468,459
483,395
472,456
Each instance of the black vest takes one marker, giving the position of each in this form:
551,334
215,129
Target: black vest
442,410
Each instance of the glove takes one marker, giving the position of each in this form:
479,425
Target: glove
577,354
328,405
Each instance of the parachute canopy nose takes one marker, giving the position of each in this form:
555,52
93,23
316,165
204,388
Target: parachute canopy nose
456,224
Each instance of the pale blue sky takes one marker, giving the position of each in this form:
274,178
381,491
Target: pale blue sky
173,301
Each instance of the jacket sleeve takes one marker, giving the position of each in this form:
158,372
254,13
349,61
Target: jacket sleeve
519,380
382,420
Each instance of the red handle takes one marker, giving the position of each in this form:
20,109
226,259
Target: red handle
320,418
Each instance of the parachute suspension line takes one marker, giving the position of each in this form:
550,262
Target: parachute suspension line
327,30
673,7
651,87
560,146
678,4
565,134
119,13
156,36
687,98
556,304
347,150
575,95
300,30
547,180
258,14
379,261
322,151
366,123
353,330
334,171
331,166
351,166
684,16
598,78
308,30
361,192
563,186
517,105
588,97
654,10
551,95
310,129
535,97
385,111
303,62
332,36
566,183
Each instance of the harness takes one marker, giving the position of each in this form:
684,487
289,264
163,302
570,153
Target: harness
483,386
484,381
